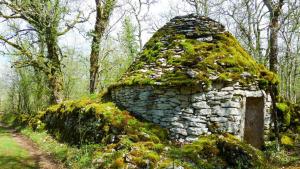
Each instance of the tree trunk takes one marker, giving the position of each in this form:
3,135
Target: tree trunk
94,64
275,12
103,12
56,87
54,72
95,51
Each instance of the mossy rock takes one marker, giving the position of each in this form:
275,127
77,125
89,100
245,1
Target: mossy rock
88,121
287,141
289,115
284,108
239,154
219,151
176,57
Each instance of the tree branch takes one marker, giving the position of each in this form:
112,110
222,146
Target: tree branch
16,46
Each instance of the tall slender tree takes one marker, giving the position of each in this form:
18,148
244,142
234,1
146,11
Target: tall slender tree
104,10
139,9
129,40
275,10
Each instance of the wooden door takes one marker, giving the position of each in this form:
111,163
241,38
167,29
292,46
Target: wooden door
254,122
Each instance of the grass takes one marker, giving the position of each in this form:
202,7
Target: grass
71,156
286,157
12,155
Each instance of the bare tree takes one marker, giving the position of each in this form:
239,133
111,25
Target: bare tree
139,9
289,33
248,19
201,7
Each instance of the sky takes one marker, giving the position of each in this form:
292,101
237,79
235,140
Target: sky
4,69
4,66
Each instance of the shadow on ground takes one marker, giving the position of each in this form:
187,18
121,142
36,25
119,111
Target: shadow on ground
9,162
12,155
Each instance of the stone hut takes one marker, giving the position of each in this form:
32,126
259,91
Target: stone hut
194,78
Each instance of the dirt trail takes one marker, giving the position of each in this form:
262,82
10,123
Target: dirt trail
42,160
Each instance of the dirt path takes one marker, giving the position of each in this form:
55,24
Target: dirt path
41,159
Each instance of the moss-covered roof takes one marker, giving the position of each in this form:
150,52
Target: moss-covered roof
194,50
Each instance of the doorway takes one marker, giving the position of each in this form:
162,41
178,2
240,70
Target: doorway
254,122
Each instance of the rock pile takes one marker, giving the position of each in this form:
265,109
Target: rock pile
195,27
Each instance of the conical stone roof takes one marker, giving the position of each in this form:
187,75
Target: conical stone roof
192,50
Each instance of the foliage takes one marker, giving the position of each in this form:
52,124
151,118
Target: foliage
38,46
289,115
115,61
129,39
27,94
284,157
75,75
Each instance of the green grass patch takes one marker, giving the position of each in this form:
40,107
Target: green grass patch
72,157
12,155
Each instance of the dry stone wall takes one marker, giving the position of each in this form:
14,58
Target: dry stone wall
190,112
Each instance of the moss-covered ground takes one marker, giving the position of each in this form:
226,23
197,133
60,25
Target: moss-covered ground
127,142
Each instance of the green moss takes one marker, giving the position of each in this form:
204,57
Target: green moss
223,57
240,154
88,121
298,129
283,107
188,47
217,152
119,163
286,113
152,156
124,141
286,140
